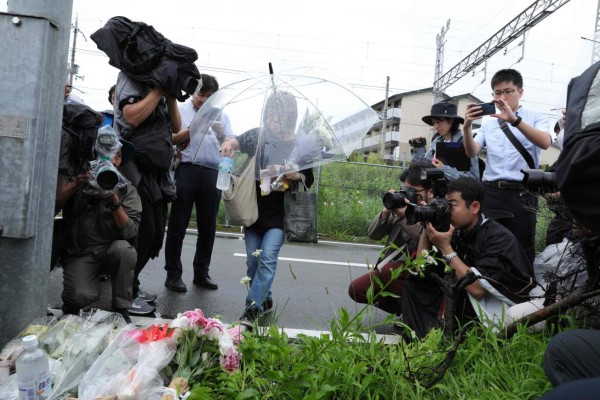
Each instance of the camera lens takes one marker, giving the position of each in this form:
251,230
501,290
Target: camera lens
393,200
107,179
536,180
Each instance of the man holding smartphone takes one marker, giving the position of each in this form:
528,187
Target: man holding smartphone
502,177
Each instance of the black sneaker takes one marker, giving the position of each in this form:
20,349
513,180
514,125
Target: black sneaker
147,297
267,306
140,307
176,284
249,317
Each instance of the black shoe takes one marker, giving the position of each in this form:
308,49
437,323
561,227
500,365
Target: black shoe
267,306
206,282
249,317
176,284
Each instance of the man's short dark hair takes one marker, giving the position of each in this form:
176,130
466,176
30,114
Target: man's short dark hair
412,174
470,190
507,75
209,84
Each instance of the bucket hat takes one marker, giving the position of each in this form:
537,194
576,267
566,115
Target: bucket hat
442,110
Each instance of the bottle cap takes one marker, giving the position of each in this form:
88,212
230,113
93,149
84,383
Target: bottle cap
30,341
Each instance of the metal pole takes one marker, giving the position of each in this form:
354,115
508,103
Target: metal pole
384,115
34,61
72,70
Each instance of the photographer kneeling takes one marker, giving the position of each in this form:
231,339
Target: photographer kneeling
101,213
472,243
402,240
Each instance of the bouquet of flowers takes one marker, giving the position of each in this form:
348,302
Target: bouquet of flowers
129,367
201,342
82,349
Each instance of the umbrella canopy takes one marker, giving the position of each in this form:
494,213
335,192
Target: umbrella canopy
289,121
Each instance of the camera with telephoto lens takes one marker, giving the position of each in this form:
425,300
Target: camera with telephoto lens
392,200
540,181
104,176
417,142
438,211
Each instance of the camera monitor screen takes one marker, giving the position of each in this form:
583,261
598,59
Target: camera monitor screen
453,154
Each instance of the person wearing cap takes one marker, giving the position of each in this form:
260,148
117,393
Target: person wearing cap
446,122
502,177
98,231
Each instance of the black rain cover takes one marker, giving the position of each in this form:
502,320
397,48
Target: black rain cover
147,56
578,166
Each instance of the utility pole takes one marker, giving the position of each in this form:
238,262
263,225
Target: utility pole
384,115
31,102
74,68
533,14
439,62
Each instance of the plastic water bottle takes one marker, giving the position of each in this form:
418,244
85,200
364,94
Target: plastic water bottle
33,372
225,167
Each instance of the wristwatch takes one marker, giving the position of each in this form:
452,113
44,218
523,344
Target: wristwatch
114,207
517,121
450,256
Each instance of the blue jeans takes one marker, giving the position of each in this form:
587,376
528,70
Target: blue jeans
262,268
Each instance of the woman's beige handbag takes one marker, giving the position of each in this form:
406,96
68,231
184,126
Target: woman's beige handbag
240,199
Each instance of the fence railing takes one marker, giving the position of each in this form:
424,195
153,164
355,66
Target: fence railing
349,196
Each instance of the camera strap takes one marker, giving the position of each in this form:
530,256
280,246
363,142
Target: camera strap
515,142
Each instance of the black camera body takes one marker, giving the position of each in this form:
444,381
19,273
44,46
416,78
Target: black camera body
392,200
540,181
417,142
437,212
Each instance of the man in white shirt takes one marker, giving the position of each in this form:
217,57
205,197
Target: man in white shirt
196,187
502,177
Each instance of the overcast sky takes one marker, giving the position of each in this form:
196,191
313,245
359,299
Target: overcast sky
361,42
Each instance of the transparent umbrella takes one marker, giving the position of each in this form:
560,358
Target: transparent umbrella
289,122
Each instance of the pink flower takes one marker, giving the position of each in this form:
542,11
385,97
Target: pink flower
231,361
213,329
236,334
196,317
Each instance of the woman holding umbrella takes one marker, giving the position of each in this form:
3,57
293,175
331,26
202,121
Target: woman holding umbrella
275,146
446,122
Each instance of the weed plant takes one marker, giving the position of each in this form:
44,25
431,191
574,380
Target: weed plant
347,363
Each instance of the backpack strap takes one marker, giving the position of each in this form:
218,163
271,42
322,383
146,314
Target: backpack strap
515,142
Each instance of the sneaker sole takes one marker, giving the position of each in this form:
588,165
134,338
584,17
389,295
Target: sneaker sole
135,311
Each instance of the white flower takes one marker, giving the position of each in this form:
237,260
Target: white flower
214,329
324,203
245,280
226,344
424,253
257,252
433,248
332,204
360,202
181,321
430,260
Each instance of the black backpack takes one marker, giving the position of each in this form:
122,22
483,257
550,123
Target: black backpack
78,137
578,166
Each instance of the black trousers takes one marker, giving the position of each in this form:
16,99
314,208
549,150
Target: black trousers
196,187
523,205
573,355
151,233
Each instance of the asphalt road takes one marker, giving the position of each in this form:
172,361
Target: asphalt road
309,289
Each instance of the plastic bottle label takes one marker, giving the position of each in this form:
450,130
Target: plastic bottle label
37,389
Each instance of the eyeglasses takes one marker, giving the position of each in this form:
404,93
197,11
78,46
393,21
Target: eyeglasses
507,92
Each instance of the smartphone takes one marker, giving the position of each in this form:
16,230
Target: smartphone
487,108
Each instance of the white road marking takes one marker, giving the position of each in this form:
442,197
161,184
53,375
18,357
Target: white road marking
306,260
